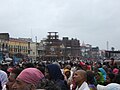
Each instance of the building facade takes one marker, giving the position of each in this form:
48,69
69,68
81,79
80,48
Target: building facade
18,47
52,47
71,48
4,38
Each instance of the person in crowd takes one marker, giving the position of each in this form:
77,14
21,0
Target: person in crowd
54,74
99,65
95,70
14,72
41,67
28,79
117,78
105,67
112,63
99,78
103,72
100,69
109,78
109,71
3,79
80,78
4,67
67,67
83,66
9,70
67,74
91,80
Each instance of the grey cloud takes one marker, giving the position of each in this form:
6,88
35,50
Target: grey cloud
92,21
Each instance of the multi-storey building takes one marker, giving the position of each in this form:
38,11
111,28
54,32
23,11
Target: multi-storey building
95,53
71,48
18,46
4,38
52,47
56,49
33,50
90,53
41,50
86,52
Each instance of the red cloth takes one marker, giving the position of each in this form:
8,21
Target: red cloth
31,75
82,63
88,67
10,69
115,71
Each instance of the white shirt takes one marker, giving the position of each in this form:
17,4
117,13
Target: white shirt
4,87
84,86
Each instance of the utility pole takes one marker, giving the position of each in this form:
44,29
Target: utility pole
107,45
36,47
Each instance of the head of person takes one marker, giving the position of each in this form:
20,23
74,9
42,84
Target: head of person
67,73
79,77
14,72
110,78
83,65
90,77
99,65
9,70
95,70
68,67
103,72
99,77
28,79
112,61
53,72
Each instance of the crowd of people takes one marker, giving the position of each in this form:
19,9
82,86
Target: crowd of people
71,75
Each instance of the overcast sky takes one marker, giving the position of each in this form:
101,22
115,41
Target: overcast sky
91,21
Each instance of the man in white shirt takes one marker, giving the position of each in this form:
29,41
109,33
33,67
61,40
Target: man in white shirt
3,79
80,79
